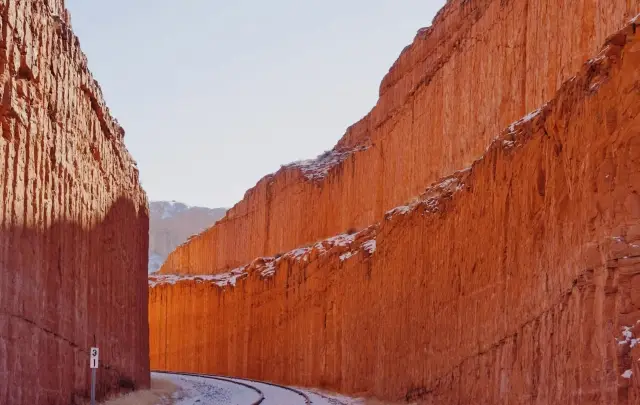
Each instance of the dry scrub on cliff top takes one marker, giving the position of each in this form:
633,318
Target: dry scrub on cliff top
161,392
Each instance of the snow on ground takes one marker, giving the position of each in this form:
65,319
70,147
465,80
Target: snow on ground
319,397
205,391
276,395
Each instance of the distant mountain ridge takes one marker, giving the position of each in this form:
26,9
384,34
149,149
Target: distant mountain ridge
171,223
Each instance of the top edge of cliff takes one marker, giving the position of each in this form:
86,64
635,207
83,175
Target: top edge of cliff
422,34
110,126
593,73
357,136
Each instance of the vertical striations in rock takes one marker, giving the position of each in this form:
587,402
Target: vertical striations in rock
515,281
74,220
482,65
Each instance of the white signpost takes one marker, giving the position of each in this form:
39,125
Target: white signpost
93,363
94,357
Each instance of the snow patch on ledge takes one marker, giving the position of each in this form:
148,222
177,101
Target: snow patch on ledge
525,119
346,256
221,280
322,247
318,168
340,240
628,337
369,246
597,59
401,210
267,266
299,254
431,198
269,269
627,374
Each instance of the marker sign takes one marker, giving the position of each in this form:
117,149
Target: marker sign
93,360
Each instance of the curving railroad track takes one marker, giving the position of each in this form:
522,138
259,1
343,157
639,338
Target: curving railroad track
205,389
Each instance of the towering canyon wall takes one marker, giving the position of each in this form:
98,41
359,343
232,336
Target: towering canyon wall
516,281
482,65
74,220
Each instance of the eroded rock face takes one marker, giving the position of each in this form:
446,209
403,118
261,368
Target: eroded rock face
516,281
74,220
483,64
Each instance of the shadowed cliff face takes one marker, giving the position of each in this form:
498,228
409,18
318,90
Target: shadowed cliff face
482,65
59,288
73,219
516,281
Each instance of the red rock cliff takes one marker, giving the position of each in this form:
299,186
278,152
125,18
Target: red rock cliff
516,281
73,240
482,64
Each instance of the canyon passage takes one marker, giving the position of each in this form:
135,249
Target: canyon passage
474,239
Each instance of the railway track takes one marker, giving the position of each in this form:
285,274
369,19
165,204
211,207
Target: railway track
268,393
217,378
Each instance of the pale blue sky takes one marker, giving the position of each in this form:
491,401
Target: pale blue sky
213,94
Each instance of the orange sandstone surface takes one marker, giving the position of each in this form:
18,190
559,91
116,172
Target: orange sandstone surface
482,65
74,221
516,281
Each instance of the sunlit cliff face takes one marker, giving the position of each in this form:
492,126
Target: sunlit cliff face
507,258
